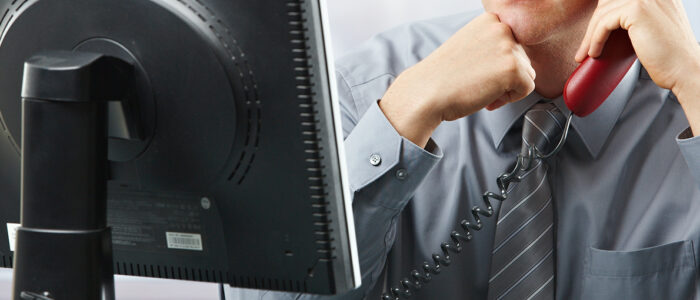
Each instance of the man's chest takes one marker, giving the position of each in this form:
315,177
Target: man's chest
629,211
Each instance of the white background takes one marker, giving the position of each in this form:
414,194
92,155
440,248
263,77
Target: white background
352,21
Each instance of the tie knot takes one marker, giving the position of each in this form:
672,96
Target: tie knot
543,126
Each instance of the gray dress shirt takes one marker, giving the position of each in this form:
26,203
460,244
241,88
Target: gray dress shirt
625,186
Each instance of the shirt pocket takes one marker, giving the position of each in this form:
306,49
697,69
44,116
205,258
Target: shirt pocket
661,272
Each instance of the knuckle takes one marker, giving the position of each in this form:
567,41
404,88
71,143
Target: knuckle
507,47
641,8
510,65
644,4
490,16
520,80
529,86
485,19
503,30
526,84
523,92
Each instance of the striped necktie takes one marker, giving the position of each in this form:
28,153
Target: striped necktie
522,265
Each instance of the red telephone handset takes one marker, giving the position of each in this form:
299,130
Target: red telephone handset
596,78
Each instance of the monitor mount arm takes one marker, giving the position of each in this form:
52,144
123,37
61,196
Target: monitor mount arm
64,247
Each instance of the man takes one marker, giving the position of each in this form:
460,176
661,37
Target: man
435,111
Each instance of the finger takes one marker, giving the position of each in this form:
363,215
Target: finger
583,48
603,9
496,104
525,61
523,85
611,21
600,36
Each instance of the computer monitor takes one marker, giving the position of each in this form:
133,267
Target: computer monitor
226,164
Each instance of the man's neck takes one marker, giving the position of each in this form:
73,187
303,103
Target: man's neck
553,60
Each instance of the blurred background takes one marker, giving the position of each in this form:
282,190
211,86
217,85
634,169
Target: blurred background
352,22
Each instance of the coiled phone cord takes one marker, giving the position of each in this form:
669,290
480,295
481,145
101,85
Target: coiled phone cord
523,163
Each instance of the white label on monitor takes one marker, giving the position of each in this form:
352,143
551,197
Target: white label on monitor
184,241
12,234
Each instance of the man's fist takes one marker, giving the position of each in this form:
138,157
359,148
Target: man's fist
482,65
663,40
660,33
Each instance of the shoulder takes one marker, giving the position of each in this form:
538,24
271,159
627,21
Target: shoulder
375,63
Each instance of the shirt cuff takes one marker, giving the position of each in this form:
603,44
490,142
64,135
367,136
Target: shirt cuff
376,154
690,147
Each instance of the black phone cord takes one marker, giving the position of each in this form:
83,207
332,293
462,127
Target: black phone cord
407,287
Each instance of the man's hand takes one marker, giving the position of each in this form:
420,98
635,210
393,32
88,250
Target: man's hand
663,40
480,66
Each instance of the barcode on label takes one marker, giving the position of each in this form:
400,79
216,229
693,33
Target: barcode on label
12,234
185,241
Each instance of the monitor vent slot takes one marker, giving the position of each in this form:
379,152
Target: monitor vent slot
197,274
309,115
6,261
239,68
269,284
170,272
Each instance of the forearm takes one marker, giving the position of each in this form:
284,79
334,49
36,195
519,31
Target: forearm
410,113
384,171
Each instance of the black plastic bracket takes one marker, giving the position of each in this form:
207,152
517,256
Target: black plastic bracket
64,247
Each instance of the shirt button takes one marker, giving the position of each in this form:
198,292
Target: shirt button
401,174
375,159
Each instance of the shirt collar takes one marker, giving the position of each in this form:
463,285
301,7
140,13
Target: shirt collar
594,129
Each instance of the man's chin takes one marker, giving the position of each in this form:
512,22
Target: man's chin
527,30
530,37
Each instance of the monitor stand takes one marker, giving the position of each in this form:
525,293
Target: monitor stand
64,247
